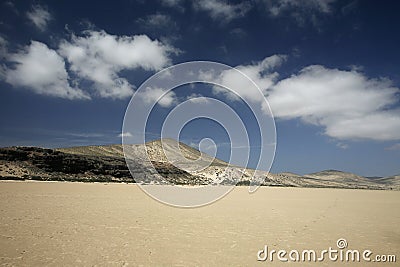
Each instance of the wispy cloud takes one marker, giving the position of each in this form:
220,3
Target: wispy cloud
39,16
277,7
177,4
3,47
157,21
161,25
125,134
56,138
221,10
342,145
393,147
302,11
11,5
87,135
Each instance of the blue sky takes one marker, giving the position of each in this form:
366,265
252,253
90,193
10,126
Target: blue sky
69,68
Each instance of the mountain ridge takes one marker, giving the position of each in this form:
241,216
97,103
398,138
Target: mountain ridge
177,162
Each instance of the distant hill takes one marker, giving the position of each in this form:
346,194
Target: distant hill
175,162
338,176
391,181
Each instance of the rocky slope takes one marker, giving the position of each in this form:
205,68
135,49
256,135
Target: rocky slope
32,163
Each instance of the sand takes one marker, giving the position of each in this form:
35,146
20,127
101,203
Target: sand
77,224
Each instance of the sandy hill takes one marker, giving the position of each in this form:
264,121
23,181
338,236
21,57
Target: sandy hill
156,150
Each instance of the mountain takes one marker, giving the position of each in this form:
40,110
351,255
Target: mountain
200,165
175,162
157,150
86,164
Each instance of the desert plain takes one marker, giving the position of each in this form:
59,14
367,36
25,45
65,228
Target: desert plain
109,224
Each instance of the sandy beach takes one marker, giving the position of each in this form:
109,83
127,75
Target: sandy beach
88,224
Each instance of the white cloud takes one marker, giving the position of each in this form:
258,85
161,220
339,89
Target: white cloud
342,145
238,33
277,7
125,134
157,21
3,55
173,3
39,16
161,25
346,103
393,147
42,70
301,11
197,98
11,6
262,73
96,57
86,135
3,47
99,57
221,10
176,4
159,96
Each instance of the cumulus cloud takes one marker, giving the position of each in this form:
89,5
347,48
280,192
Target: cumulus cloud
221,10
39,16
96,57
159,96
262,73
99,57
42,70
347,104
